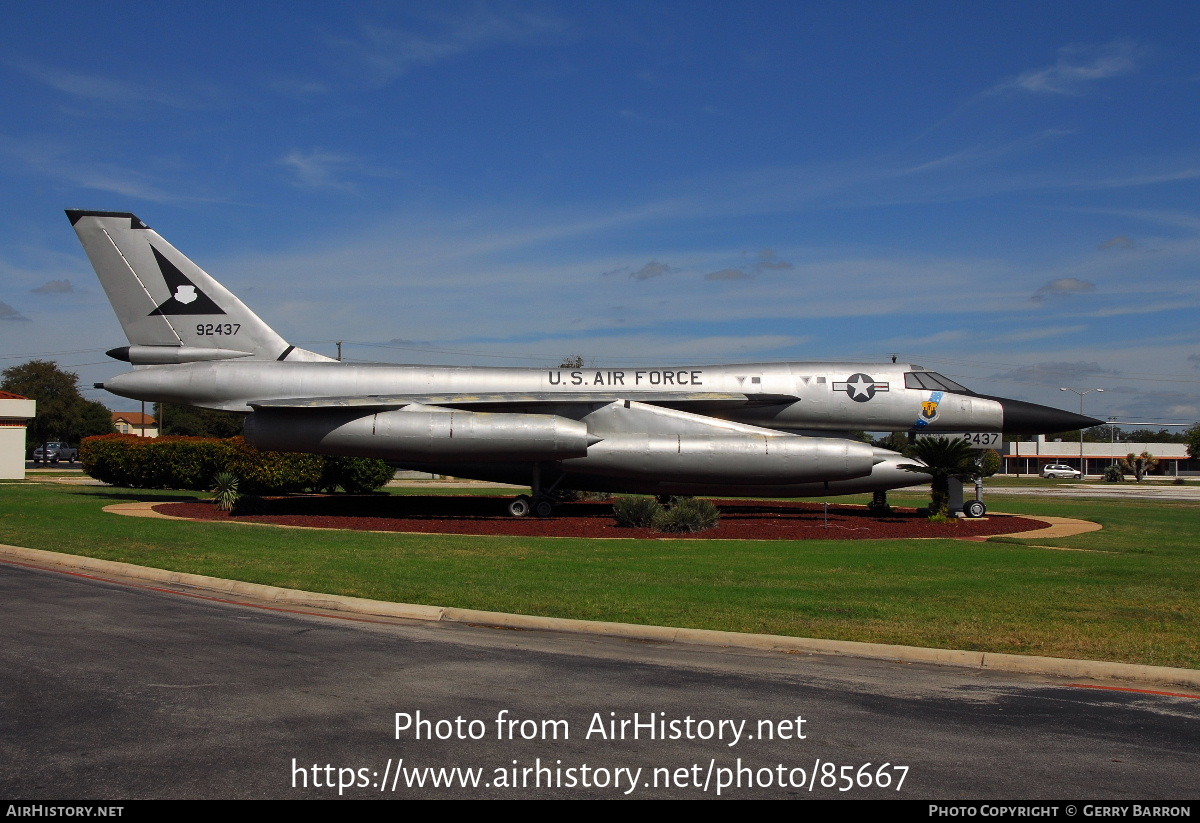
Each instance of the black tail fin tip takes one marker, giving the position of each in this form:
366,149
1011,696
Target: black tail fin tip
75,215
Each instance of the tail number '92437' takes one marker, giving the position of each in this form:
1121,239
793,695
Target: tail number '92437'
210,329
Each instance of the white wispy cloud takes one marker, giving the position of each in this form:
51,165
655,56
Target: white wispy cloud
317,169
1078,66
981,154
388,52
936,339
96,88
54,287
72,165
1045,333
116,180
1174,175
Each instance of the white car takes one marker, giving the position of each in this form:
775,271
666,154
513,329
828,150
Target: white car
1060,470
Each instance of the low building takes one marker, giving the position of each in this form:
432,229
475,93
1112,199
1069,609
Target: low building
1030,456
15,414
135,423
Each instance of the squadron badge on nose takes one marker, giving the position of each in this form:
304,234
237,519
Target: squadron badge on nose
929,409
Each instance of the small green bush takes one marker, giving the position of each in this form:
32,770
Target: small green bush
225,486
1113,474
687,515
636,512
989,462
354,475
1179,481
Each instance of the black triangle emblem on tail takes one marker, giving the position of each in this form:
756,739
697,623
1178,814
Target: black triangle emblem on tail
185,297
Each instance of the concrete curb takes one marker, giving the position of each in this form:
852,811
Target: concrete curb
1062,667
1059,527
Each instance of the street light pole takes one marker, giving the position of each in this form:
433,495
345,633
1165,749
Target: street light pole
1081,393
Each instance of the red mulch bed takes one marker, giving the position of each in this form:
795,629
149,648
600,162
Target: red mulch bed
740,519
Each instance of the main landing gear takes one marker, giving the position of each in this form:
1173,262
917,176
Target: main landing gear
523,505
541,503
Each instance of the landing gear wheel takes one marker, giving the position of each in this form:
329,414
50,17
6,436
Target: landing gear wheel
520,506
543,508
974,508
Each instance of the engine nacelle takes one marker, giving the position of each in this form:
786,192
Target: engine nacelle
419,433
732,459
172,355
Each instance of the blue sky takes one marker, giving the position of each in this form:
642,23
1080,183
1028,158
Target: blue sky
1007,193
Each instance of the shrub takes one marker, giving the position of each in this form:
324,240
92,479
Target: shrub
263,472
225,486
192,462
636,512
577,496
687,515
354,475
1179,481
989,462
1113,474
153,463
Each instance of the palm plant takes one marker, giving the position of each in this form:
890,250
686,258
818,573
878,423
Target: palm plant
942,459
225,485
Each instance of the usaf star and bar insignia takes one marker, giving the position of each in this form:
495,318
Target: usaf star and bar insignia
860,387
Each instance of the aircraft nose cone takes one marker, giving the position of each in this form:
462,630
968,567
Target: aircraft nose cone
1030,418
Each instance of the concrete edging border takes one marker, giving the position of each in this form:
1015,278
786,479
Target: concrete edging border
1063,667
1056,526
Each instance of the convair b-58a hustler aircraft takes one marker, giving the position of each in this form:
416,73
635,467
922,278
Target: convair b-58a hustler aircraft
750,430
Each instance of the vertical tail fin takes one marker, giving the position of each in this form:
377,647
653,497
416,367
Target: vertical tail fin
172,311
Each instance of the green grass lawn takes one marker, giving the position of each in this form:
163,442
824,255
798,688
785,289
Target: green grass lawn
1025,481
1131,596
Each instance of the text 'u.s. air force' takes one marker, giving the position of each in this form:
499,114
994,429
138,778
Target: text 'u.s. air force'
616,377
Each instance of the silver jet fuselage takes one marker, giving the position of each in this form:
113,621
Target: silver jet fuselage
797,397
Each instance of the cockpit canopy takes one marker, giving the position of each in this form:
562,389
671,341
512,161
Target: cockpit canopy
932,381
